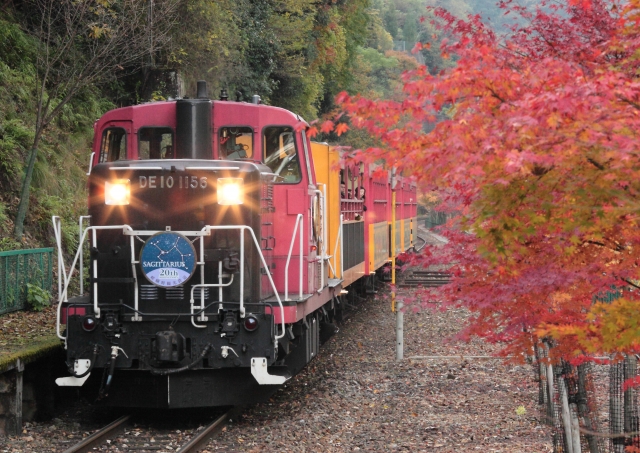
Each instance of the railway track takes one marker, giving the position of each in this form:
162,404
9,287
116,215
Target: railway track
427,279
146,437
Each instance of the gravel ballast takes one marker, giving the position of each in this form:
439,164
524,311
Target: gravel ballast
355,397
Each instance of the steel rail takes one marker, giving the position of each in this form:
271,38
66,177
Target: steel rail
200,440
197,443
100,437
424,243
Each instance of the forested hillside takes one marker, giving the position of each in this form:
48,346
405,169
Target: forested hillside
63,64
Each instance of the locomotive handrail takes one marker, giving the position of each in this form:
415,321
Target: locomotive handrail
90,163
199,311
207,230
335,251
62,272
148,168
219,285
202,317
191,167
81,248
286,267
128,231
323,252
341,247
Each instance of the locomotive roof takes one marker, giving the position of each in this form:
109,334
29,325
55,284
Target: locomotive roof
163,113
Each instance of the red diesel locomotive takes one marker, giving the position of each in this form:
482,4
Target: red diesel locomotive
221,244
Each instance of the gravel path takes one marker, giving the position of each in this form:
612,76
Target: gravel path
356,397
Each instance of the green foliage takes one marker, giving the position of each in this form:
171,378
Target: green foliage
296,54
37,298
391,20
8,243
377,36
16,48
410,31
380,69
59,180
3,216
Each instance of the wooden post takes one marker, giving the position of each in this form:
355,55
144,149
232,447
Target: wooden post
543,394
550,407
566,415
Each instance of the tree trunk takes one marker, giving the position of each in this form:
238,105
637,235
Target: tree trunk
23,206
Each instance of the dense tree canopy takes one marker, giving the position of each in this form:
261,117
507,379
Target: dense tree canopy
297,54
539,152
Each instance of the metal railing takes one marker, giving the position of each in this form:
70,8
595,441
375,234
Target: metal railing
19,268
286,267
65,275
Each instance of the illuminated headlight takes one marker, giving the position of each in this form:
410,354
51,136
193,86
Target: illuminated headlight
117,192
230,191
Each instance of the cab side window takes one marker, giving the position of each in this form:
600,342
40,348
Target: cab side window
155,143
235,143
114,145
280,153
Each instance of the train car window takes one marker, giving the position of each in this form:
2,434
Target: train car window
155,143
280,153
235,143
114,145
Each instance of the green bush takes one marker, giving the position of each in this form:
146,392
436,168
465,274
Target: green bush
37,298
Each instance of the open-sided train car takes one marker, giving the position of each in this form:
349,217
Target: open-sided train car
221,243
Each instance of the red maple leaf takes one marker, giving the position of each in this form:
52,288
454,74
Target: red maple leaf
312,131
326,127
341,128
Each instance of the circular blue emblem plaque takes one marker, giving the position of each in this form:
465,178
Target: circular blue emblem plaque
168,259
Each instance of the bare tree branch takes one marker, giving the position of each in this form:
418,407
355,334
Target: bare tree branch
85,43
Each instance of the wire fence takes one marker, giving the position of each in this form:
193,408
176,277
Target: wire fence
587,406
434,218
18,268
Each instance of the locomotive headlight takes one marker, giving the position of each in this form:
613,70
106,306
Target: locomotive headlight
230,191
117,192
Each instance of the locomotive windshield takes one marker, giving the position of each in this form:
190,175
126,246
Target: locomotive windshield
155,143
114,145
280,153
235,143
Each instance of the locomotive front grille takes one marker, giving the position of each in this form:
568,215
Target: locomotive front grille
175,293
197,293
148,292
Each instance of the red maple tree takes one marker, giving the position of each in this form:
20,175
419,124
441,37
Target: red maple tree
539,152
